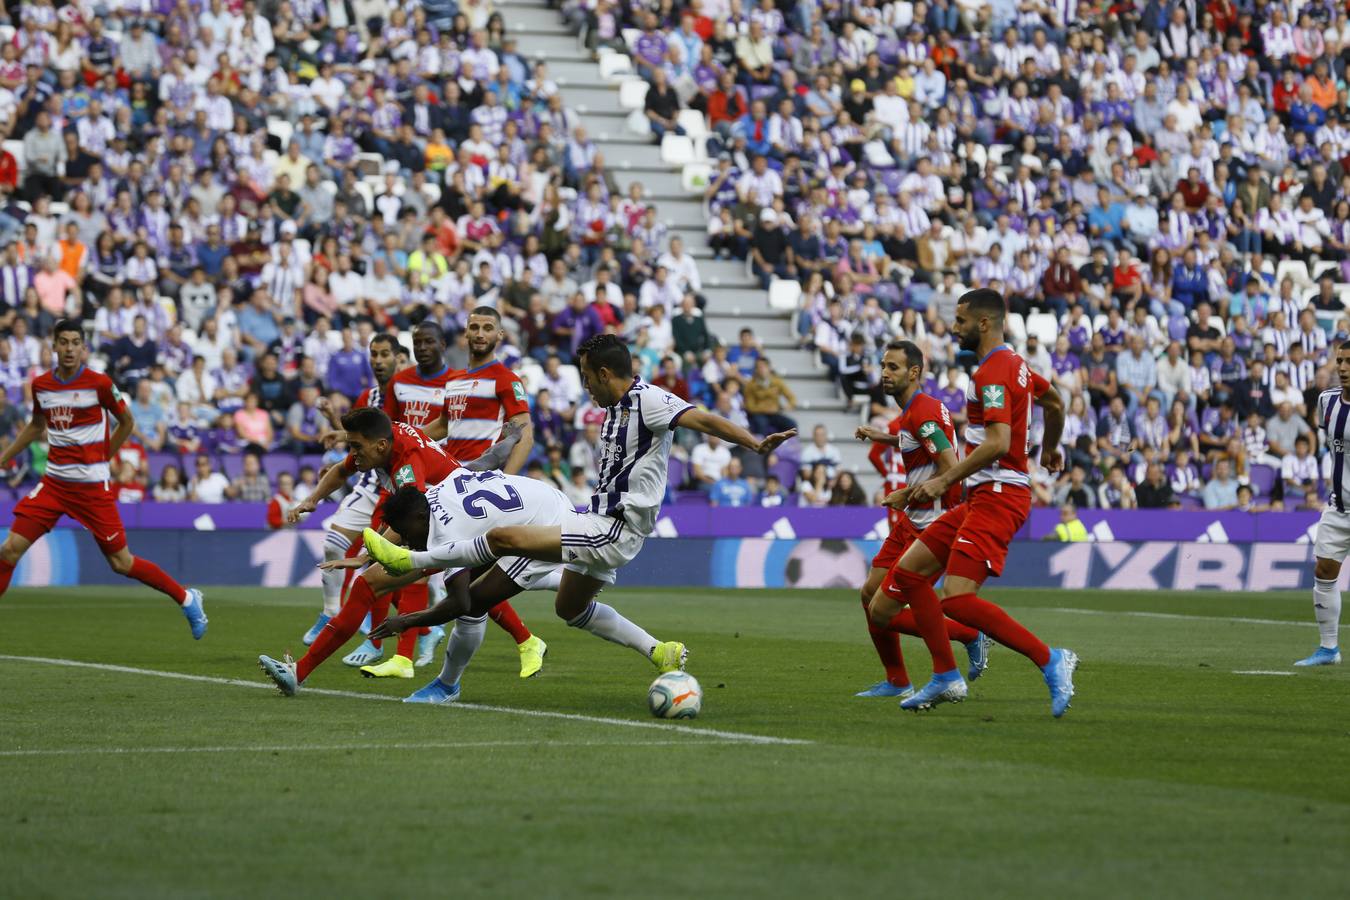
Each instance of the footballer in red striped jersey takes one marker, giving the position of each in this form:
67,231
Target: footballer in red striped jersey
924,439
479,399
479,402
416,395
970,542
71,406
356,510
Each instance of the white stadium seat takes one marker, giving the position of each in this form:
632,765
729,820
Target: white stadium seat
633,94
676,150
1045,326
693,123
695,176
614,66
784,293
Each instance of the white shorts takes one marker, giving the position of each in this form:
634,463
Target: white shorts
528,575
355,511
595,545
1333,535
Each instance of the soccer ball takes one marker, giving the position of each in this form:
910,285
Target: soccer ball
675,695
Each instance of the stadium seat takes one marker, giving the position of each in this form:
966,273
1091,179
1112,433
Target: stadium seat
231,465
282,129
630,36
1262,479
572,375
614,66
633,93
1296,269
676,150
1016,327
1325,267
694,177
1045,326
693,123
637,123
784,293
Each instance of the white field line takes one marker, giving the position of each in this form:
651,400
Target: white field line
1241,620
732,736
307,748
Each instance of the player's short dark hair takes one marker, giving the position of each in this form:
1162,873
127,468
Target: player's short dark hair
607,351
405,505
65,325
985,302
487,311
913,355
370,422
385,337
1343,345
431,325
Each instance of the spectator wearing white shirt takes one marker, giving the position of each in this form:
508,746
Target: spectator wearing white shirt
207,485
820,450
708,462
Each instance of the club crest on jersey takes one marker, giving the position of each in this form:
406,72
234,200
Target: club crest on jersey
623,418
61,417
417,411
992,396
404,476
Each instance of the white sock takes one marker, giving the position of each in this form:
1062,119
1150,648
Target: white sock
603,620
1327,609
335,547
468,554
463,644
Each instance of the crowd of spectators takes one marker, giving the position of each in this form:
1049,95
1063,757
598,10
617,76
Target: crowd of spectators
1160,190
236,195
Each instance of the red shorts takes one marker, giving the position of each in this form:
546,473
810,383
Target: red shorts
972,539
897,542
93,505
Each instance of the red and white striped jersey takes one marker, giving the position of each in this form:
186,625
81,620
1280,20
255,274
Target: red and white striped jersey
477,401
76,413
1003,389
414,400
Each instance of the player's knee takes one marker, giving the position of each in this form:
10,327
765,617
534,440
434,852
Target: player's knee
121,564
503,541
1325,570
10,552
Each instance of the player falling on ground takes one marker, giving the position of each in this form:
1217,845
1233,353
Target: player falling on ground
924,436
355,511
639,427
71,405
416,396
1333,528
399,455
478,402
970,542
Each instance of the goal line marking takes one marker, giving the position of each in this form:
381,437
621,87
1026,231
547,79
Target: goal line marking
728,736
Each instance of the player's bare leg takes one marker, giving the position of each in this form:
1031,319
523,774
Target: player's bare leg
11,551
1327,610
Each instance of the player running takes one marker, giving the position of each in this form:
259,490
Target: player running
1333,528
400,456
355,511
478,401
924,437
971,541
636,437
71,405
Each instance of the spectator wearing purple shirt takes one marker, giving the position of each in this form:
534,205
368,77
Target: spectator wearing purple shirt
577,322
348,370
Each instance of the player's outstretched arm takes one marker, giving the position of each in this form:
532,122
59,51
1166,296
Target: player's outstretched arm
710,423
29,433
1052,405
331,481
496,456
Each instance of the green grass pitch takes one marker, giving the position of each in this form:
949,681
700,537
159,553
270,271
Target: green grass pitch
1172,775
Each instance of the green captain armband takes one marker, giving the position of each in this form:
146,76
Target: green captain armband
932,433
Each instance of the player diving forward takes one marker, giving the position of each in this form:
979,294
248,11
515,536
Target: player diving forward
970,542
924,436
71,405
399,455
1333,528
635,439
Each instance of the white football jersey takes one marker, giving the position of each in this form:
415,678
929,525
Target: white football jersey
634,455
467,504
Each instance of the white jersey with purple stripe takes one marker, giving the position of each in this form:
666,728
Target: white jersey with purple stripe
1333,420
634,455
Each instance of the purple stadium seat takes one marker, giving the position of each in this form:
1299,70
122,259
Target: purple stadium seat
1176,328
765,92
160,461
231,464
678,470
1189,502
276,463
786,470
313,460
889,51
691,498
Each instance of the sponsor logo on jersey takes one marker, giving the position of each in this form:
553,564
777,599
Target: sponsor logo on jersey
404,476
993,396
61,417
519,390
927,429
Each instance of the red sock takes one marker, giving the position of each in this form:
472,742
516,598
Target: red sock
887,643
380,611
6,573
927,617
339,629
151,575
962,634
412,598
996,623
504,614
